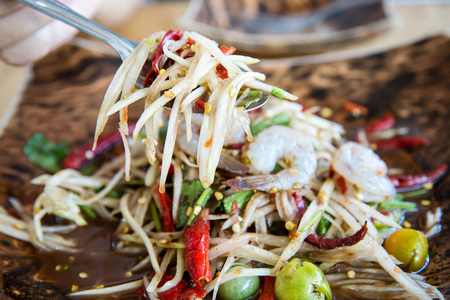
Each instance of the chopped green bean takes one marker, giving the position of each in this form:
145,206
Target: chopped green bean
395,204
190,191
280,119
88,211
241,198
200,202
323,226
279,93
155,216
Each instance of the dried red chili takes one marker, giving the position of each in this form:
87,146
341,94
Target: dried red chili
301,208
199,104
221,72
172,293
196,239
166,208
157,55
191,293
417,181
83,154
325,243
386,122
268,289
399,142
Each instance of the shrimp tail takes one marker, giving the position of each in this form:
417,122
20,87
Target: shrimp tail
232,165
258,182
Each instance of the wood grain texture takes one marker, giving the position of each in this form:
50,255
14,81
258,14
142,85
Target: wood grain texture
63,98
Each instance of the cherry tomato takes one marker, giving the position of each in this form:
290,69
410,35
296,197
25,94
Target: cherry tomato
302,281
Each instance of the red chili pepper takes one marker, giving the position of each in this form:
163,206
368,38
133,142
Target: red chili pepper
82,155
386,122
139,292
268,289
199,104
325,243
399,142
300,205
341,184
190,42
166,207
196,238
417,181
191,293
331,172
157,55
221,72
170,171
227,50
172,293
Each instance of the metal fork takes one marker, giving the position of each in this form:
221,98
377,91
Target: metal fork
61,12
122,45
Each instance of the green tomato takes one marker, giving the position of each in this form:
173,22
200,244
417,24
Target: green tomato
239,288
410,247
302,281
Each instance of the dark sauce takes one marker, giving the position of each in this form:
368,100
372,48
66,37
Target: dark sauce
96,259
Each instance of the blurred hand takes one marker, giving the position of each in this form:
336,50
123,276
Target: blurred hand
27,35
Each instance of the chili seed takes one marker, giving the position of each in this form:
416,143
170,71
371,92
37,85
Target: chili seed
289,225
425,202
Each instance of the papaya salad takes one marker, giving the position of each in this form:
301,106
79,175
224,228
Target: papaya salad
224,203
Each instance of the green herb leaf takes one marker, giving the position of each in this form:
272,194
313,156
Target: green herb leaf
44,153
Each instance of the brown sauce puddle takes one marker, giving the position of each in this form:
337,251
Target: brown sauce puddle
96,259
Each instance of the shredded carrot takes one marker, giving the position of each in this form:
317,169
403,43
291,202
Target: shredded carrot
125,114
208,143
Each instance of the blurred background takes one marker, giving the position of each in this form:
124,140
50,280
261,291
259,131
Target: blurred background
316,30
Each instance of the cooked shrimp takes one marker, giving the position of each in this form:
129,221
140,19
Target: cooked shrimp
272,144
363,168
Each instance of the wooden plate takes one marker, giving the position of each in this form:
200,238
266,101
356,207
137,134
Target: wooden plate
64,95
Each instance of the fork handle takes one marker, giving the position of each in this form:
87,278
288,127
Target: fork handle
61,12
